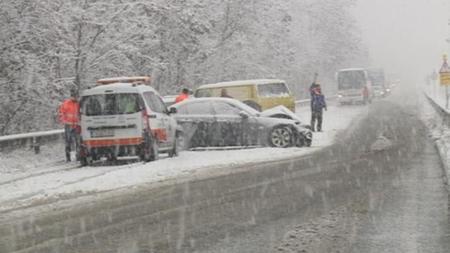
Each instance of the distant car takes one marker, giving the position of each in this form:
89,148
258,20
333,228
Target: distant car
215,122
379,84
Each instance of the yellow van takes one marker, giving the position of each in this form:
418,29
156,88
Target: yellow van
259,94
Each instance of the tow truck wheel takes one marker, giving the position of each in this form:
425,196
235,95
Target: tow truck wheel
83,161
86,161
146,149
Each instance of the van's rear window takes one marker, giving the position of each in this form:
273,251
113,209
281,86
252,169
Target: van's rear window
203,93
351,80
110,104
273,90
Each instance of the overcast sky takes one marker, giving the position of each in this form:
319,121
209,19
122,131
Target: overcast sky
406,37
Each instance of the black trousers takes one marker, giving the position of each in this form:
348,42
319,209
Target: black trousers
316,117
71,139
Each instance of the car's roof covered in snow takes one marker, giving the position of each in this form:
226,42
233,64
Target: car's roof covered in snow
118,88
240,83
352,69
232,101
191,99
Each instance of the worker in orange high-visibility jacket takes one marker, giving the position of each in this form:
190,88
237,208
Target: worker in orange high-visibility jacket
69,115
184,95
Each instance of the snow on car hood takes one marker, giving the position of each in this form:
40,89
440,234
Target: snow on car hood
281,109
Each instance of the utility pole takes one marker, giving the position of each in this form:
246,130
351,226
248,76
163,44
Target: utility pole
434,78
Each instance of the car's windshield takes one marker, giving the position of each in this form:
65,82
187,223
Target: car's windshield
195,107
273,90
210,107
200,93
351,80
241,93
110,104
246,108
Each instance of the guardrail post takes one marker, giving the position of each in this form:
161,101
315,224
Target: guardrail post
36,145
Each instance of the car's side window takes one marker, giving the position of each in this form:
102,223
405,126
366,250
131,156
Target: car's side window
203,108
224,108
182,109
154,102
160,103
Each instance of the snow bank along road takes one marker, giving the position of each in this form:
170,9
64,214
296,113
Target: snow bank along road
437,119
249,210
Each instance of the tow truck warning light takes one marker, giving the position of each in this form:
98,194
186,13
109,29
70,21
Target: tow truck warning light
133,80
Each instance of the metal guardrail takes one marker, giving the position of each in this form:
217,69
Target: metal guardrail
302,102
33,140
440,143
445,114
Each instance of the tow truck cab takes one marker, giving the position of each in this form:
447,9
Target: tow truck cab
125,117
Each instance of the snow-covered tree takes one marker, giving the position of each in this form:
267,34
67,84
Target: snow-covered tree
49,46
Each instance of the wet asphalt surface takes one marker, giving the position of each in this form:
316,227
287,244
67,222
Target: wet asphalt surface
411,215
400,202
396,194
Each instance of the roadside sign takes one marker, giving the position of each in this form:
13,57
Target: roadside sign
444,73
445,79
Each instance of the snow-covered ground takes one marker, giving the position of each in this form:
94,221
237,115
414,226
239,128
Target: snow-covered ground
26,178
439,130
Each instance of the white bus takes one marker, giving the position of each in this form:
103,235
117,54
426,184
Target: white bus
354,86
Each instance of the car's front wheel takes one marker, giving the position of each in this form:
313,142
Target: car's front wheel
281,137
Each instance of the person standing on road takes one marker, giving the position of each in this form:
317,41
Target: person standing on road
69,116
318,104
313,86
184,95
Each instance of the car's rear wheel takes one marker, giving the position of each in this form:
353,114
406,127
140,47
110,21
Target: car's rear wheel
280,137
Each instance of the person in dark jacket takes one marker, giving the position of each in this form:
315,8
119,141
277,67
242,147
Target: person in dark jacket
318,104
313,86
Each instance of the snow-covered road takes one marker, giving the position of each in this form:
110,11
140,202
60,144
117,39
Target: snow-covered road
327,199
29,179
